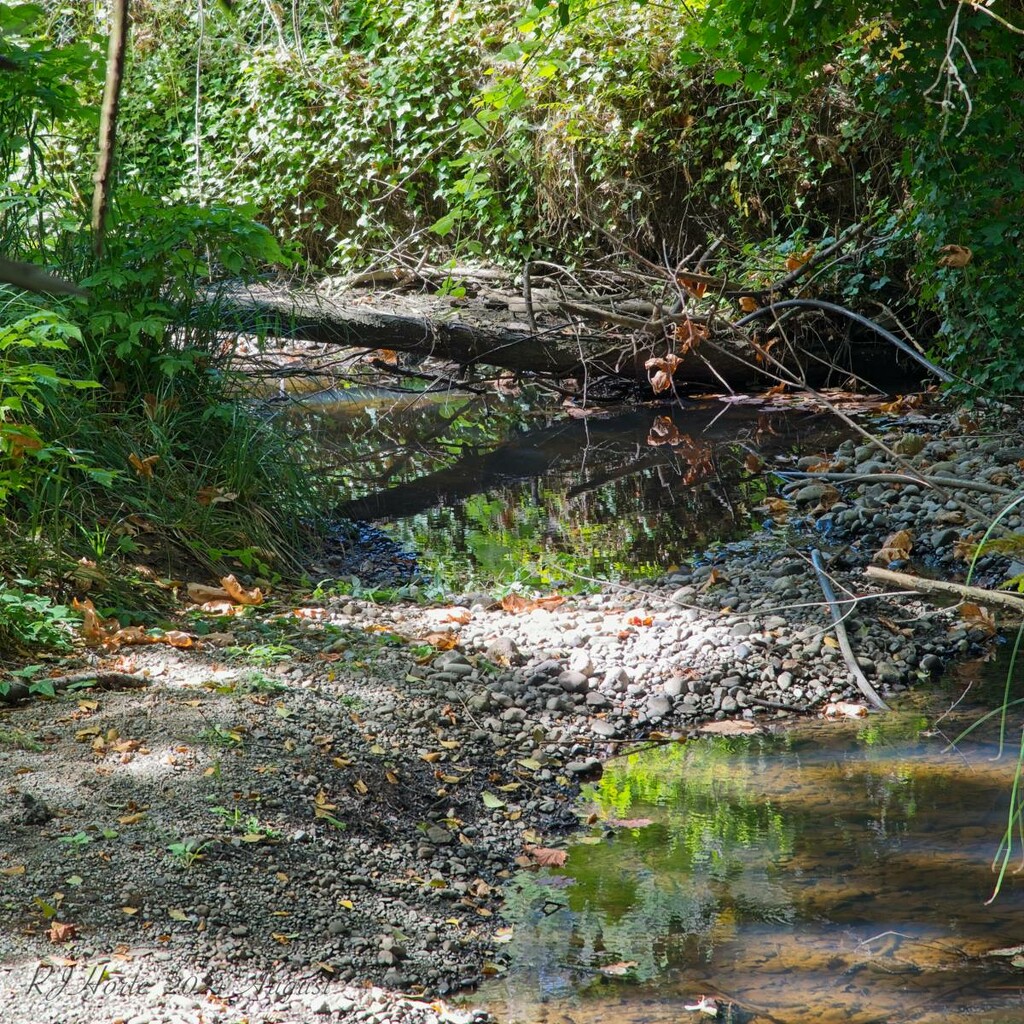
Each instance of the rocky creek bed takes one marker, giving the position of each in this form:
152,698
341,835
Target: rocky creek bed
325,835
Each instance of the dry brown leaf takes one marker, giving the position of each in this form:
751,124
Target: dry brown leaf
17,869
221,607
954,256
778,507
95,630
689,335
516,604
895,548
661,381
977,617
144,467
965,547
795,262
547,857
61,932
748,304
715,576
446,641
693,286
214,496
239,594
664,431
753,463
19,438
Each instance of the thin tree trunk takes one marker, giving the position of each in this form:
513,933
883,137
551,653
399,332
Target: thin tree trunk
108,121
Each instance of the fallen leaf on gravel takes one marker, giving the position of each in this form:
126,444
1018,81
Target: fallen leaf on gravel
547,857
61,932
131,819
530,764
432,756
830,641
845,709
322,805
17,869
965,547
220,607
715,576
895,548
360,787
238,593
95,630
977,617
446,641
492,801
516,604
730,727
618,969
177,915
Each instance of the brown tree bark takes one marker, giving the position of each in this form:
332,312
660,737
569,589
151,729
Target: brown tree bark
108,121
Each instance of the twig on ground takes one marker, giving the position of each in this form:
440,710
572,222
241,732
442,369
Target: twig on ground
844,641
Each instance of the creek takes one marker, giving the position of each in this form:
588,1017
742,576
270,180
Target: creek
827,872
835,873
490,492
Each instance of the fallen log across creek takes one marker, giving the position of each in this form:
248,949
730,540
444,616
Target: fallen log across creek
563,338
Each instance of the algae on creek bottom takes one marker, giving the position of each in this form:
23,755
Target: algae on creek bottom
828,874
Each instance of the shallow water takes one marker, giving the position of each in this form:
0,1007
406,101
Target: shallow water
631,493
833,873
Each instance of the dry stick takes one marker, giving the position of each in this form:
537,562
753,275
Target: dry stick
19,691
844,641
905,478
961,590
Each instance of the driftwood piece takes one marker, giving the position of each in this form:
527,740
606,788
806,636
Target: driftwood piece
977,594
844,641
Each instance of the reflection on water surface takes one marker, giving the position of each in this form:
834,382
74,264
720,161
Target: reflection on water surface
827,875
500,493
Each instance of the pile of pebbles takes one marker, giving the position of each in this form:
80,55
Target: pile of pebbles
384,795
